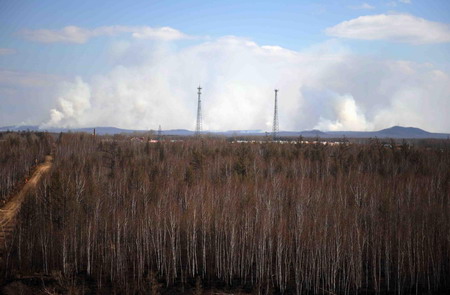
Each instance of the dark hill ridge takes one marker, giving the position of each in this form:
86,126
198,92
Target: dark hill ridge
393,132
410,131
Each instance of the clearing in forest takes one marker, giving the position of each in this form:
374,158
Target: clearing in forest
10,210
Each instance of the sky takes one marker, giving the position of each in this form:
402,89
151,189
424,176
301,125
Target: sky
338,65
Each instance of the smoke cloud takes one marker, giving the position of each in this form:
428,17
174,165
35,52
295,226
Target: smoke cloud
320,88
348,116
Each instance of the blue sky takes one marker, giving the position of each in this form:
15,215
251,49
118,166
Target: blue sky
44,68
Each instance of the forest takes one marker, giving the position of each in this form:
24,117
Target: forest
19,153
210,215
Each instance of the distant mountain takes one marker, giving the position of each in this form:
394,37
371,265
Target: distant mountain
410,132
393,132
306,133
98,130
179,132
19,128
397,132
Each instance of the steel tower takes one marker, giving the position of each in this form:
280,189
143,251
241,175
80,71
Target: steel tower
198,128
159,133
275,127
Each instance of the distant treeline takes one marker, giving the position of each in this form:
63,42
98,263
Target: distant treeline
277,218
19,152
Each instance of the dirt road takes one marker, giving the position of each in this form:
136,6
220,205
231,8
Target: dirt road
10,210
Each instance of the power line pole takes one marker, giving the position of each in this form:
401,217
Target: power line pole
159,133
198,128
275,127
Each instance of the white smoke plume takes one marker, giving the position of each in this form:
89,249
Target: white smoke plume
348,116
155,84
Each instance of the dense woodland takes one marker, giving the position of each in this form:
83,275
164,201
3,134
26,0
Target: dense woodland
19,152
141,218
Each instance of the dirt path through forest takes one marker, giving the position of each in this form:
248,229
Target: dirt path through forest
10,210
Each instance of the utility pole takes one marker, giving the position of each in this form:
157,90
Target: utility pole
198,128
275,127
159,133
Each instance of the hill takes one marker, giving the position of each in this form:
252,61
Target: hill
397,132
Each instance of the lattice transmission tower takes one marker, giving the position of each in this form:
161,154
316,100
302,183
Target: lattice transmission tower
159,133
275,127
198,128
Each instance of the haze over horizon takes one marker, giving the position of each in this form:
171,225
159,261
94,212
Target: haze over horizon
339,65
